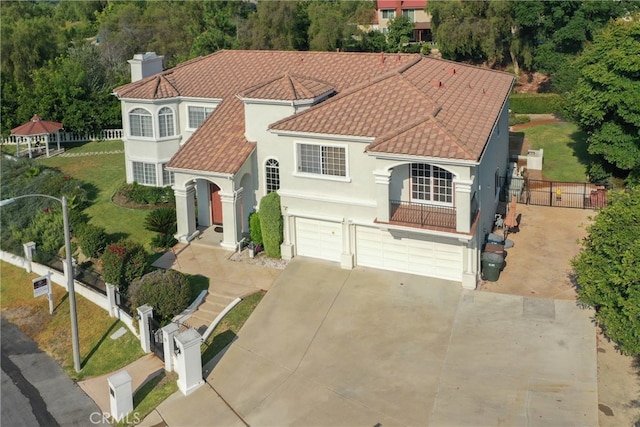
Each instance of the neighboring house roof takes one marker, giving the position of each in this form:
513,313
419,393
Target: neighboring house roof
36,126
409,104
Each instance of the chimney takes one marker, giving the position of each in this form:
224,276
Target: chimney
145,65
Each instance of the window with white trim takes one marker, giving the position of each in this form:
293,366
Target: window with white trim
272,175
431,184
322,159
167,176
388,13
409,13
197,115
165,122
144,173
140,123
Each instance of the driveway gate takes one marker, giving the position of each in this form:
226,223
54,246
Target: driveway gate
155,335
579,195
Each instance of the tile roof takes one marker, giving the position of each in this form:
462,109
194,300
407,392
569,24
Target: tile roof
36,126
451,113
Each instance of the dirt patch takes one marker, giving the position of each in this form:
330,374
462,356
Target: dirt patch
532,83
532,123
259,259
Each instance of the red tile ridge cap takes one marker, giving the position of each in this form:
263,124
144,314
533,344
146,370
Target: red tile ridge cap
291,78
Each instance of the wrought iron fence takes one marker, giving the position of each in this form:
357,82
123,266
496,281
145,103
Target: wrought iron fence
123,303
580,195
88,278
422,215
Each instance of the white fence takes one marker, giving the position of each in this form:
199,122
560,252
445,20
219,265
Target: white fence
62,137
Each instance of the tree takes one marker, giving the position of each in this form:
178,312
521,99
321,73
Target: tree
278,25
400,32
608,270
604,102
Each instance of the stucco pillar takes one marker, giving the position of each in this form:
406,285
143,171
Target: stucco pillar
188,363
469,271
203,194
144,313
185,212
382,180
286,248
463,204
168,344
229,219
28,247
111,299
346,259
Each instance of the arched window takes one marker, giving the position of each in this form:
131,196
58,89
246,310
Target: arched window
165,122
272,169
140,123
431,184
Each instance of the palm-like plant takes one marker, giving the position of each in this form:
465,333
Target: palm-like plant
162,221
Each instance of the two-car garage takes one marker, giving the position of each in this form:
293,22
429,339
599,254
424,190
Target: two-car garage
395,250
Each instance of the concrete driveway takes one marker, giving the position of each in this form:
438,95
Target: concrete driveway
368,347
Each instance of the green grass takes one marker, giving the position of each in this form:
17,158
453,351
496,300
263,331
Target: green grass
99,354
104,174
565,150
229,326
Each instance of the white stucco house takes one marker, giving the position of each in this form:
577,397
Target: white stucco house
389,161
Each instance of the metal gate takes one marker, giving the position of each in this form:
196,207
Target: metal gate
578,195
155,335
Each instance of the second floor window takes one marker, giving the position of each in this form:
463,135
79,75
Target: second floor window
272,170
388,14
322,160
409,13
431,184
140,123
165,122
197,115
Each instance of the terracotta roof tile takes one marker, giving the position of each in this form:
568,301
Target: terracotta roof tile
289,88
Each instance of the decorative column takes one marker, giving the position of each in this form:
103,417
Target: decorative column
120,395
382,180
286,248
469,276
229,219
346,259
28,247
185,212
144,313
168,344
463,204
188,362
111,299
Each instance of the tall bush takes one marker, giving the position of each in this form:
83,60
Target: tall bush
254,228
536,103
162,221
168,292
124,262
92,240
271,224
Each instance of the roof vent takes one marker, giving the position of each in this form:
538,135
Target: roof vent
437,84
452,71
381,58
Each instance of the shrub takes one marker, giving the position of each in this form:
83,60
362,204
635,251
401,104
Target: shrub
536,103
145,195
517,119
168,292
163,222
92,240
271,224
254,228
124,262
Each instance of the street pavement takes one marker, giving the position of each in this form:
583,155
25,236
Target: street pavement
36,391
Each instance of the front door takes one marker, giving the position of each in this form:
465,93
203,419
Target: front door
216,205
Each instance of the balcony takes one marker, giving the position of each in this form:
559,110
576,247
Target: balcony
421,215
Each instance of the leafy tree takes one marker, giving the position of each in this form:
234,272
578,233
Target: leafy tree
271,224
400,32
168,292
608,269
605,100
123,262
278,25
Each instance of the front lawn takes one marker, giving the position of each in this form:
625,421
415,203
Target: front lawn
104,173
99,354
565,151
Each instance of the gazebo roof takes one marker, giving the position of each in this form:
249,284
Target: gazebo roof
36,126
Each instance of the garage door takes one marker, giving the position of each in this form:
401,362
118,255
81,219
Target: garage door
409,253
319,239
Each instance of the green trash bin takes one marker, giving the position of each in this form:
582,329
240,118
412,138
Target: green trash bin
492,263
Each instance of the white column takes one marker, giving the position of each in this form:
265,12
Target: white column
111,299
229,221
203,194
168,344
120,395
469,276
382,180
185,212
145,312
28,247
46,141
188,362
463,204
346,259
286,248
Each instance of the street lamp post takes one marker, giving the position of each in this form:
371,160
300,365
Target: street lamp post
70,280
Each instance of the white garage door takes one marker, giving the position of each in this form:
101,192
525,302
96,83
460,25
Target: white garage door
319,239
409,253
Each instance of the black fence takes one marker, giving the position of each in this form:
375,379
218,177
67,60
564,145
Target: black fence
578,195
123,303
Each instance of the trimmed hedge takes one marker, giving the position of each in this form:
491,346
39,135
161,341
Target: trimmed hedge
254,228
271,224
168,292
92,240
536,103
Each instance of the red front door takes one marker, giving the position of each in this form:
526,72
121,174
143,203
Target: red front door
216,205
